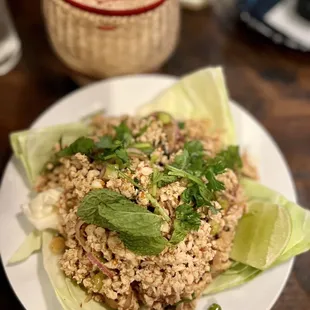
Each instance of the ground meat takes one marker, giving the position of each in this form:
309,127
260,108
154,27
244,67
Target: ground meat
169,196
180,271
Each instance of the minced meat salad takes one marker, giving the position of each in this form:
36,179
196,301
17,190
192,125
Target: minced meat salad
148,209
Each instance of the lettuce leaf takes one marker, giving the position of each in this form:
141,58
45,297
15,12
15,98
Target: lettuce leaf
31,244
299,241
34,147
69,294
236,275
201,94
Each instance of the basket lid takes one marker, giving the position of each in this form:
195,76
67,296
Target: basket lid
116,7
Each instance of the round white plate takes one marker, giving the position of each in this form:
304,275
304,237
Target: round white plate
119,96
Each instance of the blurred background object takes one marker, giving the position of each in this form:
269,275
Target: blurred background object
101,39
194,4
10,46
285,22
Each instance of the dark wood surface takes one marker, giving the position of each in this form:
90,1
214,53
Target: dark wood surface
271,81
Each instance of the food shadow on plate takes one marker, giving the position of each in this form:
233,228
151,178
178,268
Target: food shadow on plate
20,170
24,223
46,286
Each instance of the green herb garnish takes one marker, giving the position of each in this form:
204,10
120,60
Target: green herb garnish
193,164
82,145
187,219
160,179
123,134
106,142
181,125
186,300
139,228
158,208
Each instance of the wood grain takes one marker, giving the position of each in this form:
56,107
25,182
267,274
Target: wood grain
270,81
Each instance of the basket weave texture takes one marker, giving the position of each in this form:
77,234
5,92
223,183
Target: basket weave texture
101,45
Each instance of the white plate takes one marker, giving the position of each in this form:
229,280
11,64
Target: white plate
117,96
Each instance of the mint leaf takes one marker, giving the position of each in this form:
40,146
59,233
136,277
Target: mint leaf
144,245
82,145
112,210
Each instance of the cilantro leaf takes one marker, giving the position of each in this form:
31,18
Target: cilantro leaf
122,155
193,195
141,131
213,184
179,233
105,142
184,174
123,134
194,147
231,157
161,179
181,125
193,165
82,145
182,160
187,219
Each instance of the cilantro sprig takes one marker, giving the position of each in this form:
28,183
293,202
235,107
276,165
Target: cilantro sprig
108,148
193,165
187,219
161,179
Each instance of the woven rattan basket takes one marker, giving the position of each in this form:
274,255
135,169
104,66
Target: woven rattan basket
101,45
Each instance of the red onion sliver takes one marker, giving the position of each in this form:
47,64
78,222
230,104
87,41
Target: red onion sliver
98,263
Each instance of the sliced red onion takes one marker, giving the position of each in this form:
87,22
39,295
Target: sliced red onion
79,237
95,261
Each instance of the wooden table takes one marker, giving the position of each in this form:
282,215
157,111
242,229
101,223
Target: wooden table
272,82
